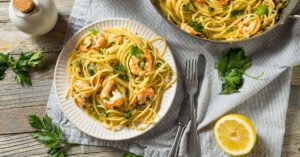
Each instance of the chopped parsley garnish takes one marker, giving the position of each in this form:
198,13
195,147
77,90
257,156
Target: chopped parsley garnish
127,114
123,77
135,51
186,7
236,13
230,30
211,9
231,67
93,31
119,67
196,26
131,155
225,7
141,65
103,112
84,104
91,69
158,64
262,10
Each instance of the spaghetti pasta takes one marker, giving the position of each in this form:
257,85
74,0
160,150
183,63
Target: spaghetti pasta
118,77
227,20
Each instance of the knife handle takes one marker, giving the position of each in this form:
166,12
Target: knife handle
193,147
174,150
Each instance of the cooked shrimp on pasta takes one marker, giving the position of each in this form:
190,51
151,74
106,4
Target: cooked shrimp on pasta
223,19
118,77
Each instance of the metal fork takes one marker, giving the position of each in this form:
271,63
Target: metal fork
191,86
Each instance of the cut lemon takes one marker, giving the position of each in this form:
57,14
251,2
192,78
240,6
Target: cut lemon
235,134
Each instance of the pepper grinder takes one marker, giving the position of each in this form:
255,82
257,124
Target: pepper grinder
33,17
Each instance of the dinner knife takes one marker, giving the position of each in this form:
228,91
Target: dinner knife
184,118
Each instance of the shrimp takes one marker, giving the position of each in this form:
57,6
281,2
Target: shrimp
82,103
188,29
139,67
200,1
86,44
117,38
249,26
144,96
100,41
81,85
223,2
117,98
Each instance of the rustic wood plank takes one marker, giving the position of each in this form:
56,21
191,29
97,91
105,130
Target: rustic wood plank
14,95
15,120
12,40
64,8
296,75
28,146
24,145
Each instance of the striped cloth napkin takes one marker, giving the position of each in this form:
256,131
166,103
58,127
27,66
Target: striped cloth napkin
263,101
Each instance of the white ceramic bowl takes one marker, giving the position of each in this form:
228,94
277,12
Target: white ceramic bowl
78,117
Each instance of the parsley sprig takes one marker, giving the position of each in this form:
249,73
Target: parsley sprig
21,65
262,10
196,26
131,155
52,136
48,134
231,67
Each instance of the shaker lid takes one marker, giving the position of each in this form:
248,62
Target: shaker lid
24,6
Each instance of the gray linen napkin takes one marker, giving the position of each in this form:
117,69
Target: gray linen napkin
263,101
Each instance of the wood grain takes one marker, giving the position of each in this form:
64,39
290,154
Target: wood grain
17,102
25,145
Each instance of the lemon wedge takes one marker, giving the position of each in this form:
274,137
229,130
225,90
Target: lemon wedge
235,134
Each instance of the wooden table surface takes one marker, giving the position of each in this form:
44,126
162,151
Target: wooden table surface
17,102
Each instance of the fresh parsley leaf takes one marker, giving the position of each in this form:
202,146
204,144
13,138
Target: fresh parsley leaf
158,64
225,7
4,64
3,68
20,66
262,10
3,58
211,9
236,13
124,77
232,82
36,122
22,77
103,112
235,58
135,51
231,67
92,69
58,152
35,59
230,30
196,26
141,65
119,68
186,7
93,31
131,155
84,104
49,135
127,114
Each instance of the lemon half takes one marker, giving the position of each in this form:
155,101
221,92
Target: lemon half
235,134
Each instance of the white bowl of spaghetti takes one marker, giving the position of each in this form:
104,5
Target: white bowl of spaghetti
115,79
